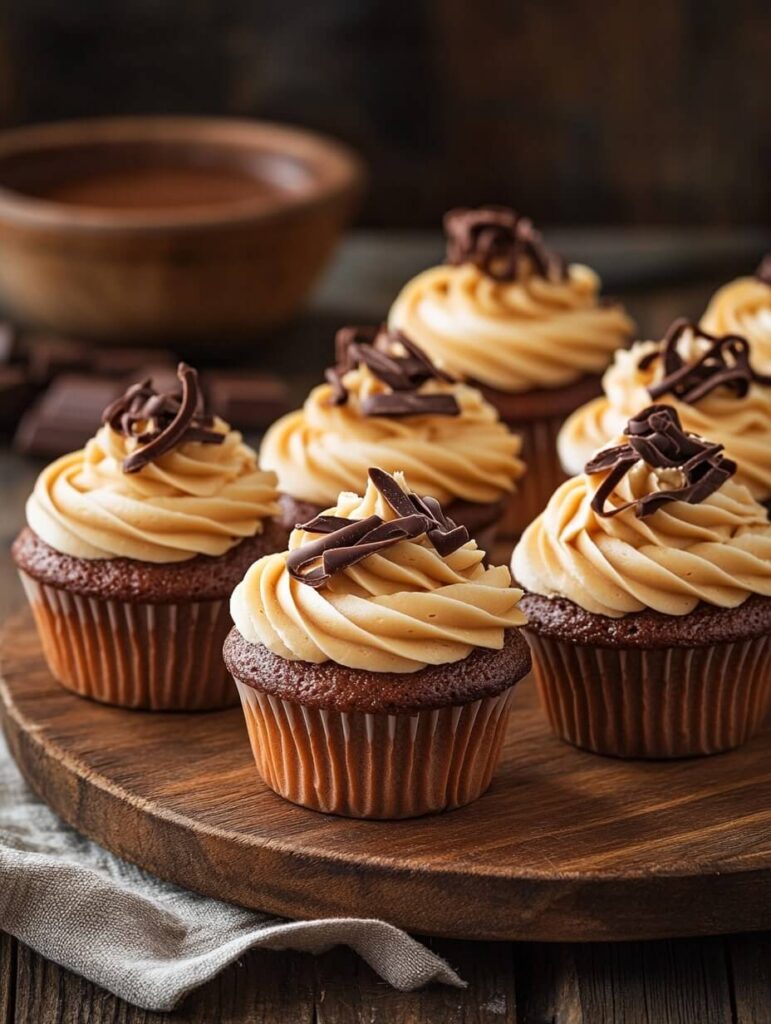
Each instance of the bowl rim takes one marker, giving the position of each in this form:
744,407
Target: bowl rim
337,171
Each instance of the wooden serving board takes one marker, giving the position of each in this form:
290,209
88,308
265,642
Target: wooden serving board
566,845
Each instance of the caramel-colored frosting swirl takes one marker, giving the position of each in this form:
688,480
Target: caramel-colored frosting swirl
741,424
399,610
743,307
198,499
324,448
718,551
514,336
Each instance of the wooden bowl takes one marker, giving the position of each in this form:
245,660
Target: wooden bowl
167,227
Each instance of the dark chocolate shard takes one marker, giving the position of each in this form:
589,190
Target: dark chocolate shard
166,419
396,361
349,545
657,438
62,419
346,542
763,273
497,239
726,363
403,403
247,400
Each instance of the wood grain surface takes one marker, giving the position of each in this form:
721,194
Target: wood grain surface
674,981
565,846
723,980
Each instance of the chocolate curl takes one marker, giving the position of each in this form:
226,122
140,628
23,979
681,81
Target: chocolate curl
169,419
346,542
763,273
403,374
726,363
657,438
444,534
495,239
347,546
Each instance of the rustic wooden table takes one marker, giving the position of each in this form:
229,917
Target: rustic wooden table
720,980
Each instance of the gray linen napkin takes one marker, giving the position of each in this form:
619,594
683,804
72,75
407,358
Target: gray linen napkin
143,939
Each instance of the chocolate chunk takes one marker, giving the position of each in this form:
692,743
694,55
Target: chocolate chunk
16,392
66,415
247,401
131,362
9,343
48,355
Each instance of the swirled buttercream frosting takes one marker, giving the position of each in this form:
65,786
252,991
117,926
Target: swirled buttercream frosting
541,326
398,606
199,495
743,307
448,440
720,396
611,558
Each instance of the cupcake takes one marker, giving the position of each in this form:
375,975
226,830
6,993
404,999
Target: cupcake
375,658
648,582
511,317
710,381
743,307
385,403
134,544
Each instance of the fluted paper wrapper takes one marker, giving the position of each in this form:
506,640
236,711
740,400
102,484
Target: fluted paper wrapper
162,657
375,765
662,703
543,477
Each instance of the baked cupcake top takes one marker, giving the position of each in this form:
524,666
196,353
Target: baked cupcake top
744,307
385,403
711,382
656,521
506,312
385,583
159,482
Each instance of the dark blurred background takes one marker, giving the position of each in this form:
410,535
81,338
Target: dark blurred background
601,113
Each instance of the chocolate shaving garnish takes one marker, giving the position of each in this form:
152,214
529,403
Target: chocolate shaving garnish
496,239
160,421
763,273
406,403
724,364
346,542
404,373
657,438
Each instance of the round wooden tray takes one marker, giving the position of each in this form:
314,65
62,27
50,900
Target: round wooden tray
565,845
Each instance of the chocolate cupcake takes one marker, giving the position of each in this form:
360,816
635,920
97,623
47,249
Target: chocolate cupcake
385,403
133,547
509,316
375,658
743,307
710,381
648,583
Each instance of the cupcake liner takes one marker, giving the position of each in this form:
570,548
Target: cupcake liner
543,477
155,656
375,765
654,703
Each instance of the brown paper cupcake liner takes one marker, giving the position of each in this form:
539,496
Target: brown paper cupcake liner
544,474
375,765
155,656
654,703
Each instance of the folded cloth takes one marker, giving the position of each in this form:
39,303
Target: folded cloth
145,940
